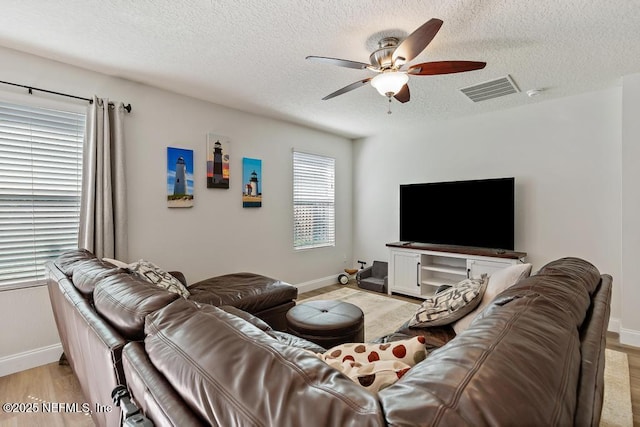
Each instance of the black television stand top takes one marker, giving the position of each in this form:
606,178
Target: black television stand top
466,250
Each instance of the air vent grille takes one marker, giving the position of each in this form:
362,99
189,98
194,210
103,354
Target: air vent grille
491,89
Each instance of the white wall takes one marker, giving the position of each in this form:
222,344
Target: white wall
630,327
217,235
564,154
214,237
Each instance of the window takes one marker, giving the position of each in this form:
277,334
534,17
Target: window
40,185
313,201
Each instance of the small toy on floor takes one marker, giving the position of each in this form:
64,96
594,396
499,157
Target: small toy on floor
350,272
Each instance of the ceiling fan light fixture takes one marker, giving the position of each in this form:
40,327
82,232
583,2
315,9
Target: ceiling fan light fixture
390,82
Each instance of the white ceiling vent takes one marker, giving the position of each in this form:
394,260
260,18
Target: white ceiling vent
491,89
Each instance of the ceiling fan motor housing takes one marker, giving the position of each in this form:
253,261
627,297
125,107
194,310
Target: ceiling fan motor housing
381,57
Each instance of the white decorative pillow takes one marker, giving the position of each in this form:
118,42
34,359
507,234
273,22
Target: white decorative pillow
376,366
154,274
498,282
450,305
117,263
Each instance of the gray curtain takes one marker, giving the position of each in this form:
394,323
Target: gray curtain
103,216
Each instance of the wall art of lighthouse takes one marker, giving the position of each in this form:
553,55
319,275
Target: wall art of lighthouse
179,178
251,183
217,161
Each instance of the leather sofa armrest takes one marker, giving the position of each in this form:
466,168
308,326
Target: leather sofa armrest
283,337
255,321
180,276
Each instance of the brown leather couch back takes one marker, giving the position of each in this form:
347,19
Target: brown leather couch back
593,345
92,347
87,274
68,261
233,374
124,300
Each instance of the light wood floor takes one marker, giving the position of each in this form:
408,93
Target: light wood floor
55,383
37,388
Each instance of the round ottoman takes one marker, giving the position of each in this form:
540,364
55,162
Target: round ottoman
326,322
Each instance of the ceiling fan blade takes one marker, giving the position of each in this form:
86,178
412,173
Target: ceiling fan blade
444,67
404,95
416,41
340,62
348,88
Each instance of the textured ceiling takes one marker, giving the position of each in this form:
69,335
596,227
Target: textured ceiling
250,54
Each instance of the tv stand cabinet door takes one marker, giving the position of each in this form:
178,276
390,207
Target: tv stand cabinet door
404,273
476,267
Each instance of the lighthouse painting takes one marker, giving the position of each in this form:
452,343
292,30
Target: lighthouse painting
217,161
179,178
251,183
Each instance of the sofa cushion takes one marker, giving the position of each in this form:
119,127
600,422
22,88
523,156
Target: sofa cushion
87,273
498,282
124,300
262,382
247,291
154,274
451,304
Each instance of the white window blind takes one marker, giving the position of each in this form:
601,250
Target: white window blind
40,185
313,201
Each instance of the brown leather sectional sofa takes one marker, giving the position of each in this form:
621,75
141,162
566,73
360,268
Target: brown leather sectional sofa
98,308
534,356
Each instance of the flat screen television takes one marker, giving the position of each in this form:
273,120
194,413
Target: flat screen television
477,213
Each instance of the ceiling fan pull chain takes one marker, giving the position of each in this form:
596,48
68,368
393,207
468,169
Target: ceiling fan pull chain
389,111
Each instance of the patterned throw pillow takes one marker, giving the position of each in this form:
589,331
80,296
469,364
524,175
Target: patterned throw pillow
498,282
154,274
376,366
450,305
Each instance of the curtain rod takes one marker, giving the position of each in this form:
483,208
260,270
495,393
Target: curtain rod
31,89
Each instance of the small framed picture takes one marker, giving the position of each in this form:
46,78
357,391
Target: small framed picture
217,161
179,178
251,183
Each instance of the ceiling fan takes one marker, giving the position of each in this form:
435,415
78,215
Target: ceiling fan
391,59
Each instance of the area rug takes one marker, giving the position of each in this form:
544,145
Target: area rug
383,315
616,408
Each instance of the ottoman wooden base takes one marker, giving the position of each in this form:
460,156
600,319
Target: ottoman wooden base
326,322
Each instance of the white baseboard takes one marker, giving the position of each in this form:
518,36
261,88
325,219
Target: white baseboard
630,337
317,284
614,325
30,359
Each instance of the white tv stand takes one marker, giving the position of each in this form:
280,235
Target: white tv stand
417,269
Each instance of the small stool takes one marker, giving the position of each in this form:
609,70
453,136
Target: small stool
326,322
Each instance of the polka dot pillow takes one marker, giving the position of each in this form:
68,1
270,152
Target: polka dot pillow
376,366
409,351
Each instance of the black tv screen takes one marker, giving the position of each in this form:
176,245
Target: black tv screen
476,213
